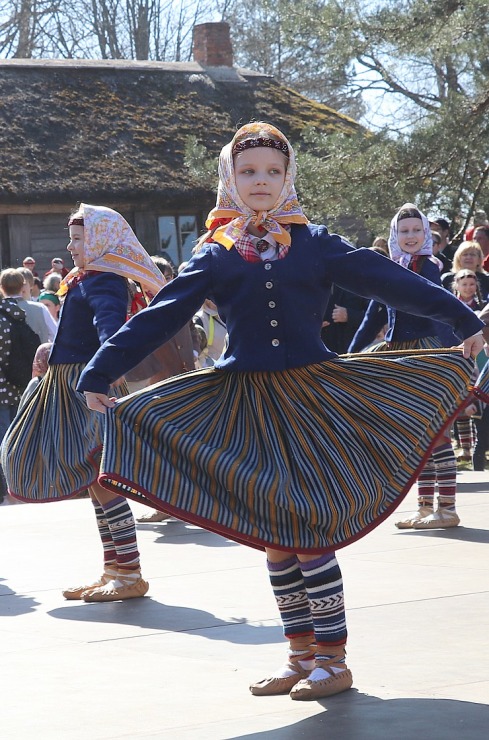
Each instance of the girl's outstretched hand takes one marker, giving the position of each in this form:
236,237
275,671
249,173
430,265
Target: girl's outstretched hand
473,345
99,401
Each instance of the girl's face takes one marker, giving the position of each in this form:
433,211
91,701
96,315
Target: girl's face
410,235
76,246
52,308
466,288
260,176
469,260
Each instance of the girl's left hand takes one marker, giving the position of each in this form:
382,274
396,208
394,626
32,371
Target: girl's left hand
473,345
99,401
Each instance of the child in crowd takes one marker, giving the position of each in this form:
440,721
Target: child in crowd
51,300
466,288
410,244
39,370
380,242
51,449
281,445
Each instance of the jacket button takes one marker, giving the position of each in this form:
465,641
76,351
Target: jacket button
272,304
275,342
269,285
273,322
268,266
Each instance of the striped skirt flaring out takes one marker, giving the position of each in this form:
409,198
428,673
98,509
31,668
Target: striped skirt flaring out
307,459
52,448
422,343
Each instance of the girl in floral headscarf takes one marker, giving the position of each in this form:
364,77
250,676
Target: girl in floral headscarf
410,244
52,449
281,445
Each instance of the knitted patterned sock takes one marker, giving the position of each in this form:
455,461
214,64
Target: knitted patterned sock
446,475
426,484
324,586
293,605
465,428
104,532
123,531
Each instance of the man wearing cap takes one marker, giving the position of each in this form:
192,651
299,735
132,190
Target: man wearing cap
30,263
441,227
57,265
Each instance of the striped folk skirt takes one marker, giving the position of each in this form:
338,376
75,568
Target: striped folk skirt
308,459
422,343
52,449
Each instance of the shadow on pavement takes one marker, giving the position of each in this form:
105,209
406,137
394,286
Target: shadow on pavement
178,532
464,534
356,716
153,615
470,487
13,604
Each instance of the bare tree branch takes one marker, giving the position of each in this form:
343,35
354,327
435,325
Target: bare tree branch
375,65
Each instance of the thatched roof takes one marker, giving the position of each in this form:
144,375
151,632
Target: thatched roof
116,130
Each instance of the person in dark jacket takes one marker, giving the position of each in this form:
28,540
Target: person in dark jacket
344,314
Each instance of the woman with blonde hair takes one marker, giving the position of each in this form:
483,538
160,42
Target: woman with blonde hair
468,256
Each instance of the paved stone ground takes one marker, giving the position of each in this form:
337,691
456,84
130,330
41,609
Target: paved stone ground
177,663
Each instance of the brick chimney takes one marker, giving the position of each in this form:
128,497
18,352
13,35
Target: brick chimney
212,45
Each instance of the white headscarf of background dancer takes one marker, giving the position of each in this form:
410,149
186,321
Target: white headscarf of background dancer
408,210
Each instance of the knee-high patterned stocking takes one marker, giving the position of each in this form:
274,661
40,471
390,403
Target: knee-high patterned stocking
446,475
105,536
324,586
122,528
426,484
466,435
293,605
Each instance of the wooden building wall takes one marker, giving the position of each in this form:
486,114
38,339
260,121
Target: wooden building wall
44,235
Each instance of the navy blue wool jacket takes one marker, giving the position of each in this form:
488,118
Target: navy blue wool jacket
402,326
273,310
92,311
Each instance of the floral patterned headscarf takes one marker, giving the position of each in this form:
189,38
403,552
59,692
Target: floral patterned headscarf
40,362
111,246
235,214
395,250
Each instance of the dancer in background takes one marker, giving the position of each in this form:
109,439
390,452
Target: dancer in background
52,449
410,245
